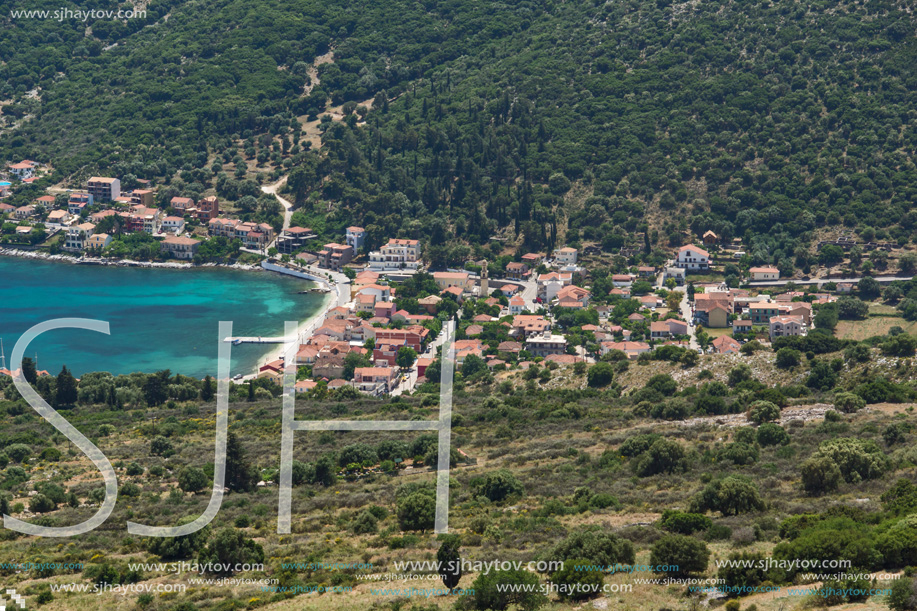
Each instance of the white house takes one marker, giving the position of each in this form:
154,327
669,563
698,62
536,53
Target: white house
516,305
764,273
173,224
692,258
565,256
23,170
77,237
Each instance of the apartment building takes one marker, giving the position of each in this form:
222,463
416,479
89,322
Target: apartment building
294,239
544,344
335,256
179,247
142,197
783,326
77,236
356,236
208,208
104,189
396,254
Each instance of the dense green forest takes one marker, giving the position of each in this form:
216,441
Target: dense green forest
761,120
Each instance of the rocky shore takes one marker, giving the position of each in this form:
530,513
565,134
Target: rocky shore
29,254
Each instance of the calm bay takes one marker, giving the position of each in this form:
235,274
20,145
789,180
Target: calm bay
159,318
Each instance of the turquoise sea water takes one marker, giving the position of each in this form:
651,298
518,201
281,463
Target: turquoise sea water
159,318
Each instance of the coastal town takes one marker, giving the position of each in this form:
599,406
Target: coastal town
381,328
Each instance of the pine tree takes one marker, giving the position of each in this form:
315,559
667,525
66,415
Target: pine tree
66,389
207,389
450,560
29,372
240,476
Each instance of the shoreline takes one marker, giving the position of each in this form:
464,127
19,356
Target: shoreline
305,327
29,254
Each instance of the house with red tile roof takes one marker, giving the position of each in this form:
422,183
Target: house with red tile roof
725,345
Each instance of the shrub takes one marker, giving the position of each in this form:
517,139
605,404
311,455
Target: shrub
787,358
686,553
599,375
820,474
835,538
673,409
134,469
638,444
839,591
744,434
770,434
663,384
359,453
739,453
900,498
739,374
18,452
417,511
763,411
895,433
730,496
664,456
746,570
848,402
580,580
172,548
596,546
192,479
684,523
160,446
898,544
392,450
500,484
106,429
365,523
492,591
903,596
41,504
50,455
857,459
228,549
822,376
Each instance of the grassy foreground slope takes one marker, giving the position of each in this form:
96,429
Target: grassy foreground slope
665,464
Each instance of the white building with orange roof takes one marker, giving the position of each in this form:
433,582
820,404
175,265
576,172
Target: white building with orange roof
397,254
692,258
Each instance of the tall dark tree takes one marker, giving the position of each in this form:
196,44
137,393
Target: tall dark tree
29,371
154,388
207,389
450,560
240,476
66,388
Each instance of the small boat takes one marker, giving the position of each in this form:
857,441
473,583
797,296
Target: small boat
236,342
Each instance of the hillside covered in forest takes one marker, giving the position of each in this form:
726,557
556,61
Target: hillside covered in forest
461,121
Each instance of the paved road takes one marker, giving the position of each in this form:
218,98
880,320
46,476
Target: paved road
686,313
820,281
411,381
287,205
